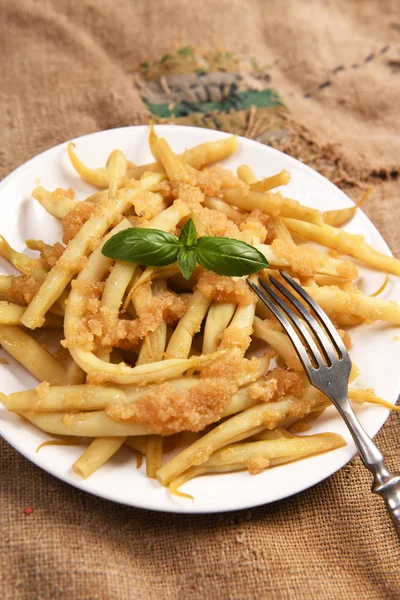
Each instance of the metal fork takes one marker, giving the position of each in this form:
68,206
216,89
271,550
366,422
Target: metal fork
327,365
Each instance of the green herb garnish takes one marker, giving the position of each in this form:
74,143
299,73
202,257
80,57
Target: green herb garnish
156,248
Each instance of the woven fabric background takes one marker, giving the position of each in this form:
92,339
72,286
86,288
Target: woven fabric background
68,69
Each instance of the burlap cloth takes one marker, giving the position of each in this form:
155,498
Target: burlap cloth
68,69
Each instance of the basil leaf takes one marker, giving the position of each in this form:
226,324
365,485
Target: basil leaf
187,259
229,257
150,247
188,235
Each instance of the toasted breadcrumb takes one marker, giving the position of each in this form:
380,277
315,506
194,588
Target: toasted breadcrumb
76,218
305,260
50,254
164,306
288,382
74,265
233,367
267,222
62,193
214,223
257,464
190,195
275,384
82,335
165,410
103,327
165,188
23,289
224,289
347,270
263,390
238,338
254,226
147,204
212,181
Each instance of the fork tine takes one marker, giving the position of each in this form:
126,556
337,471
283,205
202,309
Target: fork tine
294,338
302,331
321,336
323,317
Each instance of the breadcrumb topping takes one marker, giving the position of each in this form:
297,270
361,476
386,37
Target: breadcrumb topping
50,254
257,464
233,367
213,180
257,227
165,410
224,289
214,223
23,289
102,327
263,390
288,382
306,261
76,218
147,204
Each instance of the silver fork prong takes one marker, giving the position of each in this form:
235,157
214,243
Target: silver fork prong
290,330
321,337
302,331
323,317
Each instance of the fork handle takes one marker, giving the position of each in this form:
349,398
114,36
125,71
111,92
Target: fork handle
386,484
390,492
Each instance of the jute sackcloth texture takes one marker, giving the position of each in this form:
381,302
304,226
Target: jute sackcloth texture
68,68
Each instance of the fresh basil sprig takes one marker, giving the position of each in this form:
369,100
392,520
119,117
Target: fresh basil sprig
156,248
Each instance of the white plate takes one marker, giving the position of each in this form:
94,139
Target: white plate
374,346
